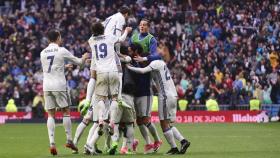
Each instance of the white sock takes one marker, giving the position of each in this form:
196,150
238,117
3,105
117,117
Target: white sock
107,136
130,136
67,126
94,138
144,132
51,129
170,138
114,114
153,131
177,134
120,86
115,137
79,131
91,132
124,142
90,89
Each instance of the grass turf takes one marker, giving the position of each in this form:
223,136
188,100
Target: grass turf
208,141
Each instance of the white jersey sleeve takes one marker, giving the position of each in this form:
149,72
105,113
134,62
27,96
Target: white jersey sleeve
70,57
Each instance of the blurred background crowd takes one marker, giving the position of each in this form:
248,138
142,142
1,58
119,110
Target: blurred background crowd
226,50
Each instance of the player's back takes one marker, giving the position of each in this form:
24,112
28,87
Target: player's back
103,53
163,79
114,24
52,59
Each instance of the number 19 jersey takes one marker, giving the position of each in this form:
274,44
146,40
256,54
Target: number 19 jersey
52,59
103,53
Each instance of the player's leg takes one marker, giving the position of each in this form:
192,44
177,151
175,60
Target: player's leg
90,90
172,109
82,126
146,105
89,147
50,106
114,110
164,123
140,113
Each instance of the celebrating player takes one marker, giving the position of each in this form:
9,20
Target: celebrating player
104,58
167,103
54,85
143,100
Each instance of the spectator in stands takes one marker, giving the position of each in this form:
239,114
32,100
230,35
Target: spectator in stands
11,106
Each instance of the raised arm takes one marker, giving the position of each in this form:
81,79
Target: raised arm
123,37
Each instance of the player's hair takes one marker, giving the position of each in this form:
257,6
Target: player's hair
53,35
124,9
147,20
137,48
97,29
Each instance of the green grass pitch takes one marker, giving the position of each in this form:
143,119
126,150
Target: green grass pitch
208,141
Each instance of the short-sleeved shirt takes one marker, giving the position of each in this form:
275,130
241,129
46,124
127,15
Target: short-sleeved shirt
114,24
53,60
103,53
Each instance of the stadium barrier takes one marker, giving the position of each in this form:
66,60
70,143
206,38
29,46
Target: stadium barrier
234,116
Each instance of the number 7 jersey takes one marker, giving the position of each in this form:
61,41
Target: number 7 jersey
103,53
53,60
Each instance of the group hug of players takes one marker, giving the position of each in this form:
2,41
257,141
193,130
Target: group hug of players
119,92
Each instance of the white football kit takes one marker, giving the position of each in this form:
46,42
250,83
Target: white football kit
54,83
114,24
104,61
167,92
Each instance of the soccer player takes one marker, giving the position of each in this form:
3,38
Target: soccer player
53,58
113,25
167,103
143,98
107,80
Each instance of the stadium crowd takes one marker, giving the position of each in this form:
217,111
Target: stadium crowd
228,50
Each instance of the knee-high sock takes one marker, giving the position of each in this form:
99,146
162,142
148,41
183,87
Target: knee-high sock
170,138
107,136
67,126
94,138
90,89
79,131
130,136
91,132
51,129
153,131
177,134
120,86
144,132
113,124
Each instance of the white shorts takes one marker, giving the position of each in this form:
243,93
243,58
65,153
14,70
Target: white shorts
55,99
125,114
143,105
107,83
167,107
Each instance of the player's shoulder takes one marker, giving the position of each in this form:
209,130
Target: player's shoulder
157,64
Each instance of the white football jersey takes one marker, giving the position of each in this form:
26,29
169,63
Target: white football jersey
53,62
103,53
163,79
114,24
